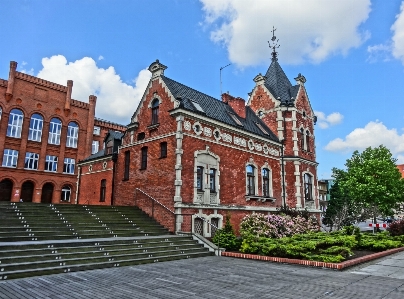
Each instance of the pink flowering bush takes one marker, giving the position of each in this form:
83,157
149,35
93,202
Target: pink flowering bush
259,225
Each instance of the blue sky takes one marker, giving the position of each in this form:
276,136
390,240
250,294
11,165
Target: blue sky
351,53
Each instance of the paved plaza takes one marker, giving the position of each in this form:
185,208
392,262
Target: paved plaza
218,277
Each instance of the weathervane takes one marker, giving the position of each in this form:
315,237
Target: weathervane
274,45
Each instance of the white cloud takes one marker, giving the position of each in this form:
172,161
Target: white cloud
398,35
379,52
309,30
324,121
24,70
116,100
100,57
373,134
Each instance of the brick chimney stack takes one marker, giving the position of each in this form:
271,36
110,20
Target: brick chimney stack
10,84
68,95
237,104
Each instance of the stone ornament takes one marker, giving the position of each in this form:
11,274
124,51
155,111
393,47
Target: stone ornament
90,168
207,131
217,134
187,125
197,128
104,165
227,138
251,144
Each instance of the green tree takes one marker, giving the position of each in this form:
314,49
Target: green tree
341,209
373,180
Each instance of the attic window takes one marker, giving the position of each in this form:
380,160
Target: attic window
262,128
236,120
197,106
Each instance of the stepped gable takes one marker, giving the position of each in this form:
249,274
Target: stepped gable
216,109
278,84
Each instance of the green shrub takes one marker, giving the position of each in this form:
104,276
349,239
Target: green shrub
225,237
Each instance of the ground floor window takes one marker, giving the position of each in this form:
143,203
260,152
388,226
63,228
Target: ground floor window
66,192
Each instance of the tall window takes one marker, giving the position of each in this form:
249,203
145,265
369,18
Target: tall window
15,123
35,127
212,180
103,190
143,164
31,161
68,166
155,112
199,178
72,135
265,182
55,128
95,146
109,147
302,138
127,164
308,141
250,180
10,158
163,150
308,187
65,195
51,163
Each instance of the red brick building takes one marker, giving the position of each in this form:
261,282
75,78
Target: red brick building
43,134
203,157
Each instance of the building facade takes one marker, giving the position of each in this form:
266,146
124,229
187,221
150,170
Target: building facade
43,134
189,159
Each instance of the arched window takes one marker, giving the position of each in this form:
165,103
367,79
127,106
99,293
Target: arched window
15,123
302,139
265,182
103,190
155,112
308,141
250,180
35,127
65,195
72,135
55,128
308,187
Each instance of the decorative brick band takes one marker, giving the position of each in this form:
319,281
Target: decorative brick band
337,266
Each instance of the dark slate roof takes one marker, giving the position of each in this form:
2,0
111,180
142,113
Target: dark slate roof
216,109
278,84
115,134
97,155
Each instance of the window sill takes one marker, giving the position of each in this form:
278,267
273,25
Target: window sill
153,126
259,198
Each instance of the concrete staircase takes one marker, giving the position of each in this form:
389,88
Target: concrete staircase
40,239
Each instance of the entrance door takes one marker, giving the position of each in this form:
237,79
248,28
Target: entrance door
27,190
47,193
6,189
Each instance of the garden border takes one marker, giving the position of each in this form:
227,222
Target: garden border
337,266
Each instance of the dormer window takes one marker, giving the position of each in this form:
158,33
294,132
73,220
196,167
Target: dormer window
262,128
109,147
155,112
236,120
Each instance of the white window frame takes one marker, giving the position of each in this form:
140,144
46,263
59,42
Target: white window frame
72,135
15,122
10,158
31,161
95,147
255,169
55,130
97,131
51,163
69,165
35,128
270,189
66,193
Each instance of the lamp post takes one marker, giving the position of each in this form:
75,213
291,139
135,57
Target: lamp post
287,104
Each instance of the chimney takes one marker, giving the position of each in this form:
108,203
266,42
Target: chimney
237,104
10,83
68,95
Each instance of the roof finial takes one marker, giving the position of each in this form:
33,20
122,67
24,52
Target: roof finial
274,45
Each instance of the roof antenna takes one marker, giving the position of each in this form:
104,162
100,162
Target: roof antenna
274,45
221,78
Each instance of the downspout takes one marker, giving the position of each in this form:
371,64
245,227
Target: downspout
114,159
78,185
